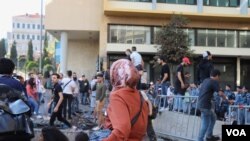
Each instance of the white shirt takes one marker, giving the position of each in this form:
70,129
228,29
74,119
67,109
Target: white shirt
135,58
68,88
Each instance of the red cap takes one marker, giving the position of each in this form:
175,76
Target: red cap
186,60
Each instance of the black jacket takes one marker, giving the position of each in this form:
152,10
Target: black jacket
204,69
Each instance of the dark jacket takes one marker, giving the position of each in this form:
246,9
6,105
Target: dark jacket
204,69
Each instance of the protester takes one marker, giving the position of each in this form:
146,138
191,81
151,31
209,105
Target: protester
52,134
204,67
58,102
125,103
68,88
206,106
81,136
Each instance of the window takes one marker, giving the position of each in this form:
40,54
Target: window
33,37
43,26
13,25
192,2
211,38
201,38
245,39
38,37
18,36
33,26
23,26
23,36
129,34
28,37
13,37
216,38
38,26
28,26
191,36
18,25
222,3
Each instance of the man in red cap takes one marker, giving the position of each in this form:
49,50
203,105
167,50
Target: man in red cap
180,87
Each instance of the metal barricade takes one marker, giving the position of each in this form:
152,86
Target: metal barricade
181,120
238,114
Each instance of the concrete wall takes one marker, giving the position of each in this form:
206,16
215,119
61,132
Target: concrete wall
73,14
82,56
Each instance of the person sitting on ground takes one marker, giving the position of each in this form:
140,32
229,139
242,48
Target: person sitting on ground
125,103
52,134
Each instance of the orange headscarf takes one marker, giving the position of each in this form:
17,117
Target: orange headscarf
123,73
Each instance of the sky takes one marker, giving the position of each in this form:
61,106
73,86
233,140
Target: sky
10,8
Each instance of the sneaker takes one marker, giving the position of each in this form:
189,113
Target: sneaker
213,138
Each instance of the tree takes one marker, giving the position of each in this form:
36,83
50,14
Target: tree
174,42
13,53
32,66
30,51
2,48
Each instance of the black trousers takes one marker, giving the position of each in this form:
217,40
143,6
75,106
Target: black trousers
59,117
67,102
150,131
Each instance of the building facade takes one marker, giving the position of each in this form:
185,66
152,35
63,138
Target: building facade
25,28
91,29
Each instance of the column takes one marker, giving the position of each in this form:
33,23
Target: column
238,72
63,54
199,6
154,2
244,7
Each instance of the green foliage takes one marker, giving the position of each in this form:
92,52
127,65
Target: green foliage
49,67
32,66
174,42
2,48
30,51
13,53
22,61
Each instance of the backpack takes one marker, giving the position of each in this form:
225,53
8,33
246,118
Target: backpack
15,123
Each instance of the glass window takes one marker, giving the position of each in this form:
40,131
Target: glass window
43,26
231,38
221,38
38,26
33,26
33,37
17,36
28,26
245,39
18,25
23,25
38,37
170,1
141,35
191,36
23,36
161,1
222,3
129,34
28,37
211,38
13,36
201,38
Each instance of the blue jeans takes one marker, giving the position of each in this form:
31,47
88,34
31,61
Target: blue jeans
84,97
33,104
178,102
164,89
208,119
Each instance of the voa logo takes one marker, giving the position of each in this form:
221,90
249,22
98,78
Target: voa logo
236,132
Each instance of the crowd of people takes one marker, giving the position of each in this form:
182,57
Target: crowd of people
121,103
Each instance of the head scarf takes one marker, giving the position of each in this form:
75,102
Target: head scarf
123,73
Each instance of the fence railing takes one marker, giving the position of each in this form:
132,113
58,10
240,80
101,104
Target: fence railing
177,117
238,114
